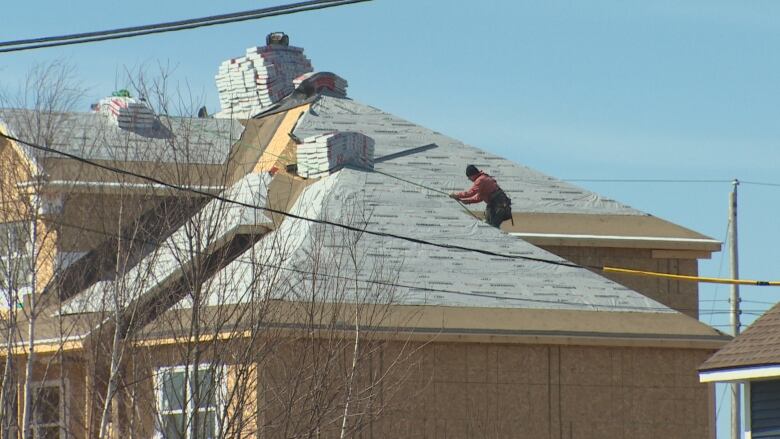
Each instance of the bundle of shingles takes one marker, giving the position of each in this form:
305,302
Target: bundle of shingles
320,155
256,81
318,82
127,113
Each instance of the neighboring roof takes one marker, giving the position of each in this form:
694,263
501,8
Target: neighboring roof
94,136
759,345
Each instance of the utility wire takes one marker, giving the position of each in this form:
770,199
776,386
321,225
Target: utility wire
287,214
155,243
172,26
642,180
661,180
562,263
720,270
760,183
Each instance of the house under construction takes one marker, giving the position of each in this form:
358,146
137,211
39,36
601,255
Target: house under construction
294,268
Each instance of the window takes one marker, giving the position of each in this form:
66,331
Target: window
48,410
178,403
15,269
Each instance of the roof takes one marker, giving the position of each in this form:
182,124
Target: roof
383,204
759,345
94,136
540,203
442,167
474,293
299,260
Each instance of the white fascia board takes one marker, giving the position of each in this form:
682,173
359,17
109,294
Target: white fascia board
615,237
741,374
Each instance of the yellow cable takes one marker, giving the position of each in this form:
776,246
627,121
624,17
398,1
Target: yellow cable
713,280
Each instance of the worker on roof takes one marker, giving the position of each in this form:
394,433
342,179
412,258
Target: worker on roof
485,188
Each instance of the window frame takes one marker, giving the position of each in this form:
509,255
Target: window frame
189,403
62,387
16,254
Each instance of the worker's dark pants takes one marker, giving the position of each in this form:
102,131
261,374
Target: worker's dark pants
499,209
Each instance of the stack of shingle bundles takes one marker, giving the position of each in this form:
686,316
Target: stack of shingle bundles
259,79
320,155
317,82
127,112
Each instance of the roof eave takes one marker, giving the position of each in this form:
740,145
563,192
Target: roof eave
740,374
620,241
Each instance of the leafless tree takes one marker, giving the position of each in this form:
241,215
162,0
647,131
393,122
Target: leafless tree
191,328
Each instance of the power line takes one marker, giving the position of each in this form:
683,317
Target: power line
662,180
642,180
393,284
760,183
172,26
288,214
562,263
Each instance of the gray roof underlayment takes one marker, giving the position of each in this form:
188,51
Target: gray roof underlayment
300,259
94,136
443,167
216,222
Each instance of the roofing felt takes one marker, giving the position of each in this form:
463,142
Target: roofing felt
210,227
300,259
94,136
443,167
759,345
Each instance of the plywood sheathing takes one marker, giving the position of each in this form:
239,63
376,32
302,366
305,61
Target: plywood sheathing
246,152
280,151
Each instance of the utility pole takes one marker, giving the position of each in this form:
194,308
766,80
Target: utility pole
734,301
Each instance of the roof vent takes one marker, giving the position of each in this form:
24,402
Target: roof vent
254,82
126,112
321,82
322,155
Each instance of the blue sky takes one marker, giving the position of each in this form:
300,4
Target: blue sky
598,89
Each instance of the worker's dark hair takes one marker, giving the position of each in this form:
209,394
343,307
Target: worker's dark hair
471,170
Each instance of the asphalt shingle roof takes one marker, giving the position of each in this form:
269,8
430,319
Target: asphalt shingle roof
94,136
759,345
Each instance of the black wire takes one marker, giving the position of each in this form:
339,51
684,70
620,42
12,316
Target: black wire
760,183
391,284
654,180
134,31
647,180
292,215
